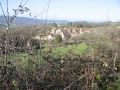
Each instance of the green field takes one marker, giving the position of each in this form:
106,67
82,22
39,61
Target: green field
75,48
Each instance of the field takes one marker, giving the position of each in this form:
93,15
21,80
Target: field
75,48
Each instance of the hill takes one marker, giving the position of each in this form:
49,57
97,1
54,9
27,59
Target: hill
30,21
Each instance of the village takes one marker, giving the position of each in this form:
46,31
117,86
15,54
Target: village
66,33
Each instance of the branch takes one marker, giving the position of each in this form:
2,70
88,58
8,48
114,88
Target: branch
75,81
109,67
115,73
3,12
54,17
47,11
21,2
16,11
8,22
40,13
25,3
115,57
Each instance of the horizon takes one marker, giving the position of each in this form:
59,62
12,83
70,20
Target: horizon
64,20
83,10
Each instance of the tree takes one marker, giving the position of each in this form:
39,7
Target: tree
69,24
58,38
54,24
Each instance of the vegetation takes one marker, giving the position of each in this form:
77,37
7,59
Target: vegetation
85,62
92,64
75,48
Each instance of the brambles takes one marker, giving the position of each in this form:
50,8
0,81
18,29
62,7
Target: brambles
49,69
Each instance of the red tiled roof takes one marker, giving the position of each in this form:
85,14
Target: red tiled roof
84,29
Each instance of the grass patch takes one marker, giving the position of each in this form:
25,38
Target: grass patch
76,48
80,48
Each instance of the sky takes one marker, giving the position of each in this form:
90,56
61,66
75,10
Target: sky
71,10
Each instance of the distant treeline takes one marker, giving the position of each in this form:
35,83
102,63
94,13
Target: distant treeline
78,24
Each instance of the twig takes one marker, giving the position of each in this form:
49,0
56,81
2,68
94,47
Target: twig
116,54
47,11
115,73
3,12
25,3
21,2
41,13
8,14
75,81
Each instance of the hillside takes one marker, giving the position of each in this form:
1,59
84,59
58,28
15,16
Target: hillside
29,21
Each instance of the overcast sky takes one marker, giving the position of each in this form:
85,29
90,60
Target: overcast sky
72,10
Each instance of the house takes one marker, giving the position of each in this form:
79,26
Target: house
85,30
58,31
66,34
74,34
58,25
69,30
65,28
118,27
50,37
36,37
53,30
75,30
80,31
39,37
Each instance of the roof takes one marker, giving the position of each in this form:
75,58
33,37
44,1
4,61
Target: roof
84,29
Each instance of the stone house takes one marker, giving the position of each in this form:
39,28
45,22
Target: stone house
75,30
53,30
